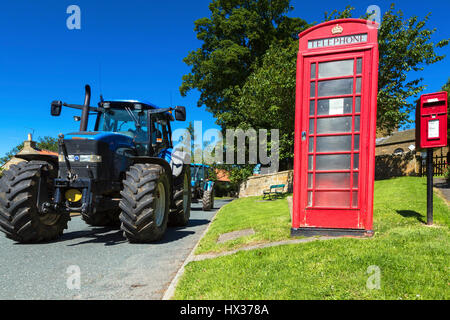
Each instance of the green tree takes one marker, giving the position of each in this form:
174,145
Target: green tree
234,38
405,45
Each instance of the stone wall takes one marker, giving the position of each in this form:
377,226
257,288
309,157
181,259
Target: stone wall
255,185
388,166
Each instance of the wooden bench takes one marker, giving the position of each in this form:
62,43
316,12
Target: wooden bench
274,192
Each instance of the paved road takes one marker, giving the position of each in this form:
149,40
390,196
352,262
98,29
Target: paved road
110,267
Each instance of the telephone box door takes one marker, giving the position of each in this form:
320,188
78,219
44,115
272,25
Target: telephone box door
334,192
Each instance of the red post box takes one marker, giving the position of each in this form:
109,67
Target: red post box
335,129
431,120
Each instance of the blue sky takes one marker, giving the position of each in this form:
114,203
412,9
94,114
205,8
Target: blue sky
139,45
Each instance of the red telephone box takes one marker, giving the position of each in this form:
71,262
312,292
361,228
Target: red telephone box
335,129
431,120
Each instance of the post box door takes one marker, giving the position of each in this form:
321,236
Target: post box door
336,112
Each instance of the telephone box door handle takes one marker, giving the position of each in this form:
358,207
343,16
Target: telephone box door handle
303,135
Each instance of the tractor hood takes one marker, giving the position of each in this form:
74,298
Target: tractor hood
114,140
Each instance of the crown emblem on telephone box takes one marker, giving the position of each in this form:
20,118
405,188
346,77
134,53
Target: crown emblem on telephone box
337,30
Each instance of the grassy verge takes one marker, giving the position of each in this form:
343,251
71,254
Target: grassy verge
413,258
269,219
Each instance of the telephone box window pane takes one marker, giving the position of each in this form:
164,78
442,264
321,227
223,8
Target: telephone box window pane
335,69
358,85
312,106
358,104
355,180
355,199
334,143
313,71
356,161
310,181
311,126
357,124
311,145
359,66
333,181
335,87
333,162
313,89
310,163
356,143
310,195
332,199
334,125
329,107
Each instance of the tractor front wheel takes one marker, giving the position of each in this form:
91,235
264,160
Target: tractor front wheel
145,203
20,218
208,200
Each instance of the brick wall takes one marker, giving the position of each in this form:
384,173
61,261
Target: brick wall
255,185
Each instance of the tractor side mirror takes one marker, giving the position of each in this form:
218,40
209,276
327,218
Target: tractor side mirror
56,107
180,113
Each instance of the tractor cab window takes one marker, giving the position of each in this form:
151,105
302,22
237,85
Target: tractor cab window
129,122
160,132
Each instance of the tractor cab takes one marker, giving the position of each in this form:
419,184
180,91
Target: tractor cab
147,126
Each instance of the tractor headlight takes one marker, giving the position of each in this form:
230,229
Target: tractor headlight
81,158
90,158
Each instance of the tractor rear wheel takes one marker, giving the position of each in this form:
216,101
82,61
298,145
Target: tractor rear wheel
208,200
179,217
145,203
20,218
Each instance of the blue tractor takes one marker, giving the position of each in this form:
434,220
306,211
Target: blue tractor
202,186
125,172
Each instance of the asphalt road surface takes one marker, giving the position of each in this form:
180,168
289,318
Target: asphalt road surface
99,261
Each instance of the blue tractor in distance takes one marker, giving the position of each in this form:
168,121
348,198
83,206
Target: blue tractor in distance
125,172
202,186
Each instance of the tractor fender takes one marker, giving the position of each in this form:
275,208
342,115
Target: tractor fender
39,157
163,163
209,185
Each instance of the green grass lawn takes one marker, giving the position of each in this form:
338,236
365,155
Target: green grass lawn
413,258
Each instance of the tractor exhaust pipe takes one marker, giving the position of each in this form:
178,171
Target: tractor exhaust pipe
85,113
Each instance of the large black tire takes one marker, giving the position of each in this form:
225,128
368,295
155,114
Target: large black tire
20,218
179,217
208,200
108,218
144,217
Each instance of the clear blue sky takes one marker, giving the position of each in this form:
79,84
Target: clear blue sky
140,45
